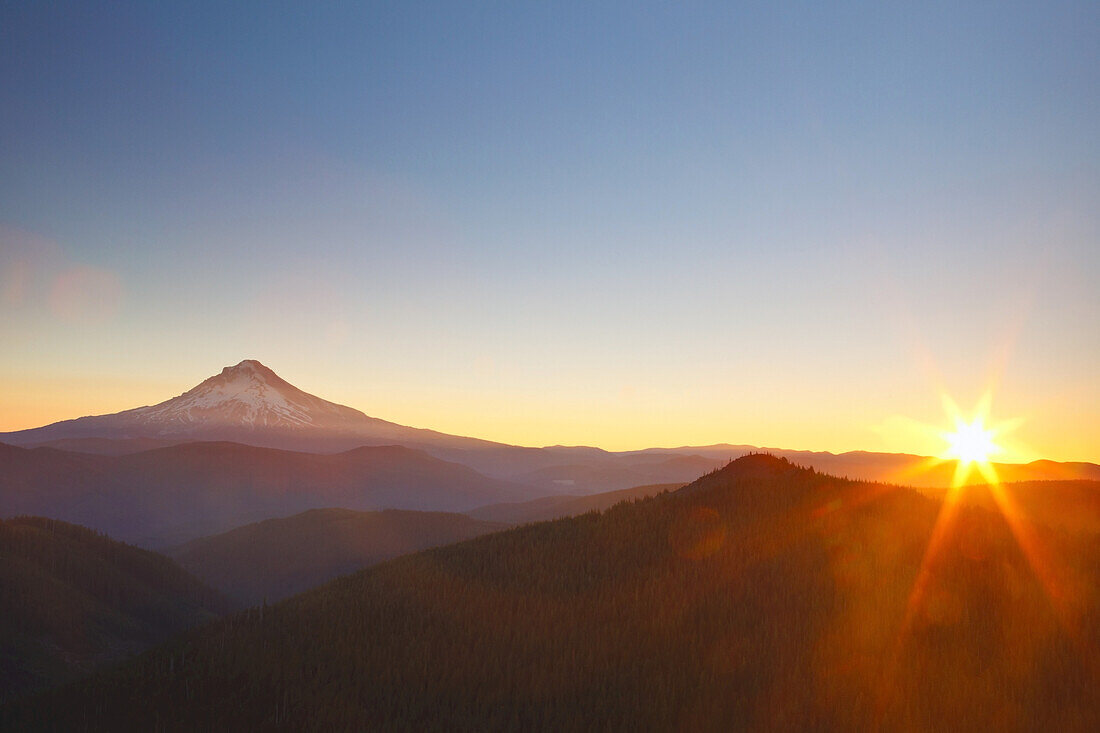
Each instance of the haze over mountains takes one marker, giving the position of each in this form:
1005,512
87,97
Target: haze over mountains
170,495
248,403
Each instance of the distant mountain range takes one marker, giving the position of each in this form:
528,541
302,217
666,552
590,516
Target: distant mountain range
276,558
250,404
167,496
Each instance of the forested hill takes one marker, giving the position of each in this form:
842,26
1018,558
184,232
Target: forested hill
72,599
762,596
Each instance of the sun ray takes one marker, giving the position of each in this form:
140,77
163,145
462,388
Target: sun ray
1038,558
970,444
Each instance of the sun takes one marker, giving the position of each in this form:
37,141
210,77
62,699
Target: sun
971,442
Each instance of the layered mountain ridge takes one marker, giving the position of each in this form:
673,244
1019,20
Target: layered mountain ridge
249,403
170,495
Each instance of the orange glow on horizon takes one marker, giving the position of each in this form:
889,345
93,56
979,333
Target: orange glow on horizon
503,412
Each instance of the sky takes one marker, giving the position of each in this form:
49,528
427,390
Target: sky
628,224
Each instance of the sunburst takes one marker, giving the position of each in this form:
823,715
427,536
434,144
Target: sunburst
972,443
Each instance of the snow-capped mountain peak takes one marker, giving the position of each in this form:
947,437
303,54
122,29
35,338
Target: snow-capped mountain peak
244,403
247,395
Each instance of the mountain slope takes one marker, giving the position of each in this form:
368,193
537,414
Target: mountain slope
563,505
72,600
611,472
170,495
277,558
1069,505
105,446
762,596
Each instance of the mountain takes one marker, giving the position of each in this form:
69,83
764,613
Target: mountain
249,403
761,596
563,505
170,495
72,600
276,558
244,403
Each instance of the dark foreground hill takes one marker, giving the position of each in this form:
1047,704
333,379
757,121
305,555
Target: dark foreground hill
170,495
72,600
277,558
760,597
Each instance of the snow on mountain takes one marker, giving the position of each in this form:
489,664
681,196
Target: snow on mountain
246,403
247,395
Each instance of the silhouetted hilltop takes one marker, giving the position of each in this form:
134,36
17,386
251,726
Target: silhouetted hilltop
745,468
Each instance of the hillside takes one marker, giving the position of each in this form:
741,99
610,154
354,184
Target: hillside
563,505
1069,505
170,495
277,558
762,596
72,600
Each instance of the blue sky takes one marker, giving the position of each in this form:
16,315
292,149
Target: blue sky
612,223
